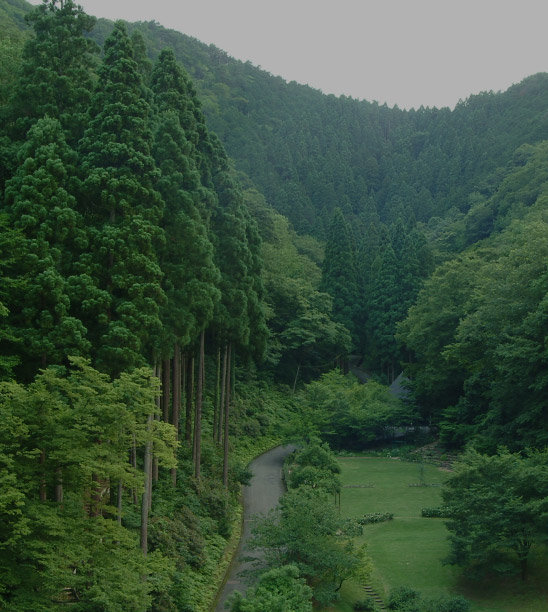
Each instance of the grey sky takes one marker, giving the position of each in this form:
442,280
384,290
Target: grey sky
404,52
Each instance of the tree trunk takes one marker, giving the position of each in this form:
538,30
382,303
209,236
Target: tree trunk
198,422
296,377
157,418
217,395
226,419
176,398
222,398
59,485
523,566
147,493
133,462
43,491
189,395
119,502
166,378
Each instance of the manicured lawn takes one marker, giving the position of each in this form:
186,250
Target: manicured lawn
408,550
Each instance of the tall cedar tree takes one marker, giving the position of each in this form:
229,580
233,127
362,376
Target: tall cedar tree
57,70
339,277
384,312
190,274
124,210
240,316
41,206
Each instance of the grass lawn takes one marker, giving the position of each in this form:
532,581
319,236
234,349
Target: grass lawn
408,550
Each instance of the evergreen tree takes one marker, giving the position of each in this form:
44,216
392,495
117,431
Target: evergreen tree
124,208
57,69
41,205
339,277
190,274
384,313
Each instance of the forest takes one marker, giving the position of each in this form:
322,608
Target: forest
194,254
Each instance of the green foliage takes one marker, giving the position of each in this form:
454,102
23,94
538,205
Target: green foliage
304,336
41,206
119,194
314,466
405,599
441,512
477,333
346,413
497,509
364,605
375,517
72,430
402,597
56,77
191,277
278,590
307,531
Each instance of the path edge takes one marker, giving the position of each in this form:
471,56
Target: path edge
230,565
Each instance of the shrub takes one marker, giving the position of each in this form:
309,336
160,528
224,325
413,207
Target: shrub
375,517
441,512
451,604
364,605
400,597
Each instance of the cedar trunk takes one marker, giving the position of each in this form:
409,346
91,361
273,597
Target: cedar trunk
176,398
227,415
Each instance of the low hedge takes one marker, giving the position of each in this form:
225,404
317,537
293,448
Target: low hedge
441,512
375,517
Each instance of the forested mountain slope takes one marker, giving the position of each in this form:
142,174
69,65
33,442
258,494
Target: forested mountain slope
309,152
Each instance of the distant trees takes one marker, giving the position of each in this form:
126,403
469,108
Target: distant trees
476,338
347,413
339,276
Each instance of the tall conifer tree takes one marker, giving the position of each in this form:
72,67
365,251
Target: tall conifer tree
124,208
339,277
57,69
190,274
41,205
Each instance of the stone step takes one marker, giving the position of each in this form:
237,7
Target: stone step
378,601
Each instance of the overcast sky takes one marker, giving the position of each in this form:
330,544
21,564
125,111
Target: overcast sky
404,52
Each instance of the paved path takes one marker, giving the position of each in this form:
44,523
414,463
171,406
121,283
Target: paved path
260,496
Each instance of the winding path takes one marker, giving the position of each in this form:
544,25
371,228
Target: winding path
260,496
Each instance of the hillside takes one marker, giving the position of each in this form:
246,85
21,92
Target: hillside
308,152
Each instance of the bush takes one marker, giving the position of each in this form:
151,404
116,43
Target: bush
400,597
451,604
404,599
364,605
375,517
442,512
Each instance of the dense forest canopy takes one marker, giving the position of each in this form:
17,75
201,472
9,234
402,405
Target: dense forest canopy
186,241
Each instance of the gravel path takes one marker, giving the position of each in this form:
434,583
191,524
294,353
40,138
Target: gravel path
260,496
